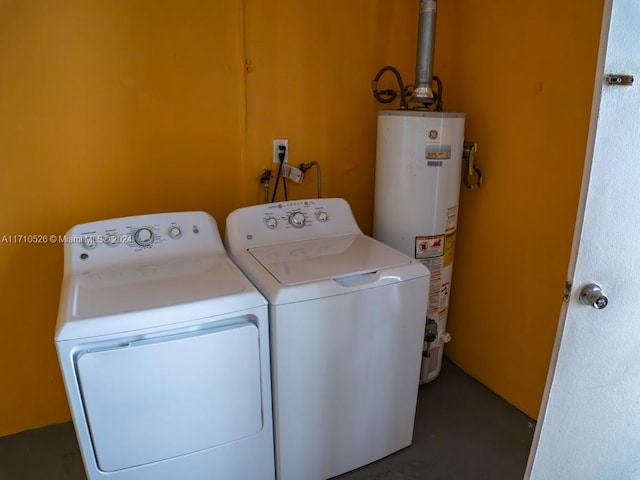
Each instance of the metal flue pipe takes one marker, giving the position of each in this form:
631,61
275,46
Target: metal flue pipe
423,93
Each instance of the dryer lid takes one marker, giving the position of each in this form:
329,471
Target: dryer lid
327,258
142,287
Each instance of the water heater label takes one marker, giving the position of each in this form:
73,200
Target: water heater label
430,246
437,145
452,218
444,298
436,253
449,247
435,284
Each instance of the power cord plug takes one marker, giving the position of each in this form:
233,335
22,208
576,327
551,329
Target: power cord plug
282,154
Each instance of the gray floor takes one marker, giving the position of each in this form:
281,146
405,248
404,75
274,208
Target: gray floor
463,432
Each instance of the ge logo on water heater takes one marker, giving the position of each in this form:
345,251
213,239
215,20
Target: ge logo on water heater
433,134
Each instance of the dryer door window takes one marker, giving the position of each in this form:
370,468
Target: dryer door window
154,400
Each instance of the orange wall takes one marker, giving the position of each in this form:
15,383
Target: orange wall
311,66
107,109
524,74
119,108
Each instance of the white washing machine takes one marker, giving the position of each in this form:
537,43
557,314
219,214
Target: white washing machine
347,324
164,351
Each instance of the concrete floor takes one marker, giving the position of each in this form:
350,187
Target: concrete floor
463,432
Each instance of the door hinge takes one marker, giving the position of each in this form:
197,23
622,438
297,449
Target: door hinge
567,292
618,79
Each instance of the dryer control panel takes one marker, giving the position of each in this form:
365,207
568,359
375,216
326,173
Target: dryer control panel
283,222
140,238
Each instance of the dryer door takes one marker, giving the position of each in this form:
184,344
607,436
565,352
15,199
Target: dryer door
156,399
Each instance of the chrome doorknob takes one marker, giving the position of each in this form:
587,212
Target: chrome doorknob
593,296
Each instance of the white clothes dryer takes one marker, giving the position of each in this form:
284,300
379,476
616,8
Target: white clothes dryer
163,347
347,317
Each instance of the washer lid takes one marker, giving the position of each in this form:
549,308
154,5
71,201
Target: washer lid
327,258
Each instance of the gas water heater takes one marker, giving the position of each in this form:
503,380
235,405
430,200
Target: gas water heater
420,151
418,170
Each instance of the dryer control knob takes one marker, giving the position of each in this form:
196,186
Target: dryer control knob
322,216
296,219
143,237
175,232
271,222
89,242
110,239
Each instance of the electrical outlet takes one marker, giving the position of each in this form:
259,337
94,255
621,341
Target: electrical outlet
277,143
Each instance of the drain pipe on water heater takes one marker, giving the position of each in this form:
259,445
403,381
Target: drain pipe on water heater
419,164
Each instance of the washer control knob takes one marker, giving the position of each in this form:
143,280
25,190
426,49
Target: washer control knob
296,219
175,232
322,216
271,222
143,237
89,242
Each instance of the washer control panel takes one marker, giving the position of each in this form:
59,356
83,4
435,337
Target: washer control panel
284,222
142,237
294,214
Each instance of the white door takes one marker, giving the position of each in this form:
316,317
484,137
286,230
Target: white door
589,425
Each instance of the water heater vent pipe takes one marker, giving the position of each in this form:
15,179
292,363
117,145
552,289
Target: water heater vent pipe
423,93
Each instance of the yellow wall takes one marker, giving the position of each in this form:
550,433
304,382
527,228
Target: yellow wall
119,108
523,72
107,109
311,66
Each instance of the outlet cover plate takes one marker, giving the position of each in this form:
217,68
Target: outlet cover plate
277,143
